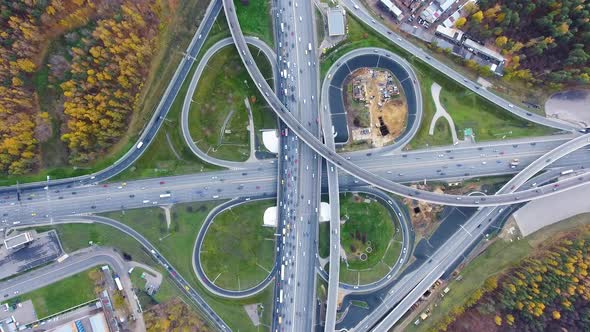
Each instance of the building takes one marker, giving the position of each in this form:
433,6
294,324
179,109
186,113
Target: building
18,241
391,8
451,34
336,25
435,10
475,47
450,21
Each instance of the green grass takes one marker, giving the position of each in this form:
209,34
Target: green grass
64,294
498,257
219,97
373,220
239,259
255,19
369,220
159,159
324,243
466,110
177,246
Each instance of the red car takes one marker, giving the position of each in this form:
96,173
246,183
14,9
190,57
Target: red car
162,182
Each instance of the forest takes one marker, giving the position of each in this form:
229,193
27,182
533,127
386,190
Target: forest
99,77
545,41
549,291
173,315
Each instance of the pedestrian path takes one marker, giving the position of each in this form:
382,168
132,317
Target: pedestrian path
441,112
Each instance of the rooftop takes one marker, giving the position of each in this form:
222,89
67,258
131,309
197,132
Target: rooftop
336,25
18,240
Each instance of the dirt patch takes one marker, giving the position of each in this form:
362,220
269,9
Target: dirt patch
376,107
424,215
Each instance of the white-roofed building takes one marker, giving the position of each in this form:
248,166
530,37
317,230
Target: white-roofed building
392,8
270,139
452,34
18,241
324,212
336,25
476,47
270,217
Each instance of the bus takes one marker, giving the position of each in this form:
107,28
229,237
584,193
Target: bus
281,296
569,171
165,195
282,272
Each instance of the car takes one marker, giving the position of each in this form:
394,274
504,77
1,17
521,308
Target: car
510,105
162,182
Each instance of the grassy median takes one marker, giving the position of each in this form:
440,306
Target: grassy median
371,241
467,110
218,118
238,251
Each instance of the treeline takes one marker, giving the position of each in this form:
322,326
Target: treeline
547,292
26,28
546,41
107,74
173,315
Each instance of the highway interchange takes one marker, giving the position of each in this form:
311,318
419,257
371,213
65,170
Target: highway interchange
298,192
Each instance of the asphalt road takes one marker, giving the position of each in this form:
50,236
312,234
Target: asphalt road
310,139
151,128
332,99
188,100
298,191
334,108
204,308
397,212
78,262
409,289
434,165
362,14
198,268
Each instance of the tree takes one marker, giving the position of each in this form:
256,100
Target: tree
478,16
498,320
460,22
501,41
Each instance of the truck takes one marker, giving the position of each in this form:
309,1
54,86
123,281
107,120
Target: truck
165,195
514,163
118,282
282,272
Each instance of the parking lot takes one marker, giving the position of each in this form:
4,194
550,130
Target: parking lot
42,250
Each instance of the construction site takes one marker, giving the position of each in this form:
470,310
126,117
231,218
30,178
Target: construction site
376,107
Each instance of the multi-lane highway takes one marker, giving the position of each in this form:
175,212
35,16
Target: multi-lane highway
435,164
339,161
151,128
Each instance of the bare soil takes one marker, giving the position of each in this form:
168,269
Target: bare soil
393,112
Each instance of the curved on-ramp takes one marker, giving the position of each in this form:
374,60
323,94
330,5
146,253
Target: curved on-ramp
373,57
271,57
314,143
198,268
182,284
151,128
399,213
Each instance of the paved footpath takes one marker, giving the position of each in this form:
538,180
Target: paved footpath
440,112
